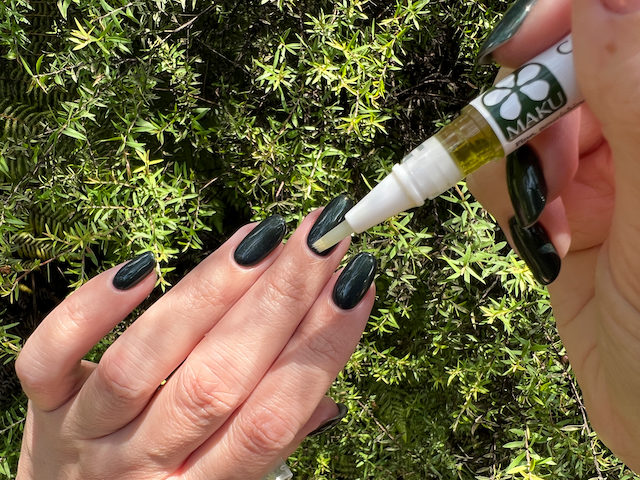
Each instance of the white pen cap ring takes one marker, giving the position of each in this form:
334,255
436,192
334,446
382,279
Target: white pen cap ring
425,173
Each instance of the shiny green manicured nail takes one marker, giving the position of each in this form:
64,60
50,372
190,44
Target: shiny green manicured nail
135,271
354,281
261,241
535,248
527,186
332,422
332,215
506,29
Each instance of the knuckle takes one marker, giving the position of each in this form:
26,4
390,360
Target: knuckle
322,348
268,432
204,293
28,374
118,383
205,396
74,316
286,291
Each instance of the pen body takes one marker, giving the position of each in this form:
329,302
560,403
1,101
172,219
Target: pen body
495,124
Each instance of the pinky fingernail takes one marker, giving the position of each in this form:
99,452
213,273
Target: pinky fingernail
332,422
354,281
135,271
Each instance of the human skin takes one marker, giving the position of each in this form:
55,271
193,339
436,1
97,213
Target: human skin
252,350
590,161
110,421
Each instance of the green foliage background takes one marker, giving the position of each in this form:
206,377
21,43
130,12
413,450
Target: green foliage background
163,125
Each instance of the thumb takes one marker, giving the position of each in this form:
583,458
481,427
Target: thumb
607,51
607,55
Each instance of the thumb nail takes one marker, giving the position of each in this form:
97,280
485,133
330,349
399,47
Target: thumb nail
622,6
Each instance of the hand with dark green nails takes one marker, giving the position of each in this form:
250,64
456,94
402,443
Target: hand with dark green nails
225,374
568,201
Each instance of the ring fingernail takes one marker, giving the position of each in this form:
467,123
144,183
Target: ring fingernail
135,271
332,422
261,241
527,186
354,281
506,29
332,215
535,248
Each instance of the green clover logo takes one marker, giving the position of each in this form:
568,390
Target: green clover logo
509,91
524,99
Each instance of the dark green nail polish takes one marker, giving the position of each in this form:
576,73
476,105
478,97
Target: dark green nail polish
261,241
355,280
527,187
506,29
331,217
135,271
535,248
332,422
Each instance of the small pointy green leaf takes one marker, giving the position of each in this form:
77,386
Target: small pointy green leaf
73,133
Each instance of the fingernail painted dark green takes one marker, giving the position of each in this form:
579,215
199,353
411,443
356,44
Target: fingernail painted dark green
506,29
261,241
331,217
527,186
135,271
354,281
332,422
535,248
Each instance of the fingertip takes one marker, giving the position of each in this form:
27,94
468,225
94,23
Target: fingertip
547,22
134,272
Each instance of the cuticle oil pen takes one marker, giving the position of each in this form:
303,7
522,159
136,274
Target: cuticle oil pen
495,124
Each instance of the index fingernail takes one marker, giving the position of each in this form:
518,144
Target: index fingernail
505,30
332,215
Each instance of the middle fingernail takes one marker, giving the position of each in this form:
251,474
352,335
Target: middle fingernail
527,186
261,241
506,29
332,215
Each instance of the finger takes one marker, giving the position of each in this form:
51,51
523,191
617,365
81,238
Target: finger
225,367
327,416
520,36
49,365
274,416
489,186
133,367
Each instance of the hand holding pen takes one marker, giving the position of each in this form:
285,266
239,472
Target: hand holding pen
569,201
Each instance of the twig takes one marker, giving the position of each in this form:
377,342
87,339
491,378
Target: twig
18,422
585,424
188,24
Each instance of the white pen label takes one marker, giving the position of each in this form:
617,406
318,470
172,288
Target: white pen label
532,98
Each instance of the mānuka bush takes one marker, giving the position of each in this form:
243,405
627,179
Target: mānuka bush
162,125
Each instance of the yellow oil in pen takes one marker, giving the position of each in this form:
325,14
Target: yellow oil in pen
470,140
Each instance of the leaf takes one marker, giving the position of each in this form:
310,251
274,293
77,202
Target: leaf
63,6
518,444
70,132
